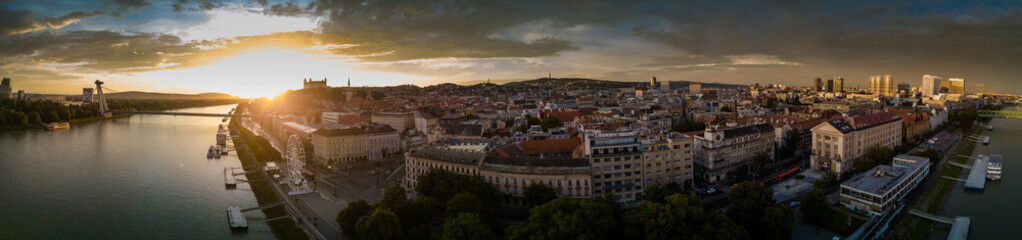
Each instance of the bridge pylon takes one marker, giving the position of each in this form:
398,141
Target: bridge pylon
102,101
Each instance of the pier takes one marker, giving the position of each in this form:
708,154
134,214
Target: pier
236,218
229,180
978,174
959,224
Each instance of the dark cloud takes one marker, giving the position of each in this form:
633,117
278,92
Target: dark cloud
289,9
18,22
408,30
126,6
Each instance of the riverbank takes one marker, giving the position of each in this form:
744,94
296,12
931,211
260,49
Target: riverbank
160,105
284,228
916,228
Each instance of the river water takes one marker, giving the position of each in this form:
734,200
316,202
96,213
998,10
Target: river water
994,212
140,177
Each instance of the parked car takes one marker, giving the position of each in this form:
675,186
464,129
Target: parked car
794,204
711,190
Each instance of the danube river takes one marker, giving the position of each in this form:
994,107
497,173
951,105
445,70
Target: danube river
140,177
994,212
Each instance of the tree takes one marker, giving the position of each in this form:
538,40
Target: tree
932,154
680,217
862,164
348,218
658,193
379,225
565,218
753,207
394,198
791,140
539,194
17,119
828,182
34,118
879,155
466,203
443,185
815,208
466,226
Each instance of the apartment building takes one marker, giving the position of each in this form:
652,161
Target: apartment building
721,150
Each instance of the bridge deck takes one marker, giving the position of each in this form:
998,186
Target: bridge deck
180,113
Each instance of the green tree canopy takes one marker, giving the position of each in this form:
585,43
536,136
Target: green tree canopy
443,185
680,217
565,218
466,203
753,207
380,225
466,226
349,217
539,194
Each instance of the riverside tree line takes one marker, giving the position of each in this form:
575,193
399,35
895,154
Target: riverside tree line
19,113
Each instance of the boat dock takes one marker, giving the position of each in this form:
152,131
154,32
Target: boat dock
959,225
978,174
236,218
229,180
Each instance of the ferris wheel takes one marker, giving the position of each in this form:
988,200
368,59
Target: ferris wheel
295,156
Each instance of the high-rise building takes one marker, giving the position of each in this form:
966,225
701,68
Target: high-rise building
956,86
818,84
829,86
86,95
5,88
652,82
931,85
881,84
904,87
839,85
695,88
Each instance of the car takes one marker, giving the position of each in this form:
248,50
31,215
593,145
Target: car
794,204
711,190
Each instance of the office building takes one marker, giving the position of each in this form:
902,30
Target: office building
878,190
956,86
839,141
881,84
5,88
668,159
86,95
339,145
695,88
400,121
818,85
930,86
904,88
616,159
838,85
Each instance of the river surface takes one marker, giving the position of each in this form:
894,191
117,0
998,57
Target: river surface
995,211
140,177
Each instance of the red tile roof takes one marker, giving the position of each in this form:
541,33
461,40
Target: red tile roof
532,147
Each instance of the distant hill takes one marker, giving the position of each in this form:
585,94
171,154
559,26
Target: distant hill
152,95
594,83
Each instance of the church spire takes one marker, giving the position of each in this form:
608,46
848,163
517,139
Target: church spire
349,82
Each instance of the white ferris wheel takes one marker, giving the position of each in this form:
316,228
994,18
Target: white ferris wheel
295,156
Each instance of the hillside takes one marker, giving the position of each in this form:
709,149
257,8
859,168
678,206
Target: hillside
152,95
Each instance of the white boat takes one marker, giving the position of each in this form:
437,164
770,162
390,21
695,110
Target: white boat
58,125
212,152
994,166
216,152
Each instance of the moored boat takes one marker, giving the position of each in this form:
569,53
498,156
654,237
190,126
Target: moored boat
58,125
994,167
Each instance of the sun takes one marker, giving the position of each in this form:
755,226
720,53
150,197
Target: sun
268,72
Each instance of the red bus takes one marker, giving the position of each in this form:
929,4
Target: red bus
780,177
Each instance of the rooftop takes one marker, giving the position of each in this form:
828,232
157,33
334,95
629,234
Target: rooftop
881,179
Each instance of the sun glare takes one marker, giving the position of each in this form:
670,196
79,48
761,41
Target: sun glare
269,72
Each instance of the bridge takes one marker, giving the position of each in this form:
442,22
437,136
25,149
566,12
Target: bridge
1000,114
107,112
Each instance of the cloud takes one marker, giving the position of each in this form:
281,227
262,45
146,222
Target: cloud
289,9
126,6
19,22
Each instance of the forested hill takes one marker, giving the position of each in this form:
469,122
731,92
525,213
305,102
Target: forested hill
152,95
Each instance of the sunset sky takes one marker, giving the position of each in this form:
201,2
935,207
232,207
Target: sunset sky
263,47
